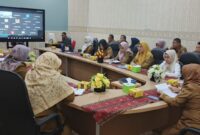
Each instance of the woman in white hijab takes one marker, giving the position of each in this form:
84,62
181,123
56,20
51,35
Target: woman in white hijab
170,65
88,45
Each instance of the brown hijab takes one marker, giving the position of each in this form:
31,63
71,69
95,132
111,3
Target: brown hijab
191,74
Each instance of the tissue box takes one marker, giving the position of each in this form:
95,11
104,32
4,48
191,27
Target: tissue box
127,80
136,69
83,85
136,93
129,67
86,55
127,86
94,58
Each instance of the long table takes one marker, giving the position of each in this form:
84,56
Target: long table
131,122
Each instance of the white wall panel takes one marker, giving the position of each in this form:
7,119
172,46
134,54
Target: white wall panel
147,19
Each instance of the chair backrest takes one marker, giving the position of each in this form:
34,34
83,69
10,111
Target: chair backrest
16,116
189,131
73,44
115,48
158,55
189,57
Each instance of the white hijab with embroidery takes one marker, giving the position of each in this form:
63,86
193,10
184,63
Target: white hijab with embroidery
87,42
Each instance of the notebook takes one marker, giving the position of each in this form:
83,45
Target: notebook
166,90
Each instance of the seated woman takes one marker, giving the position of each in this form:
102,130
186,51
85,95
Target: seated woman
170,65
144,56
47,88
17,61
103,45
88,45
188,99
125,54
134,45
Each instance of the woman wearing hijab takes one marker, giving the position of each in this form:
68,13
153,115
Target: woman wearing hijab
134,45
47,88
170,65
144,56
108,52
125,54
188,99
88,46
17,61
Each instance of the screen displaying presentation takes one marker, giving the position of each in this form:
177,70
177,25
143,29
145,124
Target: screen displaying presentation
20,24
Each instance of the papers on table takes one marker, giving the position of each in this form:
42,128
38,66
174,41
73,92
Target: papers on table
78,91
2,59
165,89
69,52
115,61
122,66
112,61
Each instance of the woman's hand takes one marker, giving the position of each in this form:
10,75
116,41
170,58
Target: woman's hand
132,63
160,94
175,89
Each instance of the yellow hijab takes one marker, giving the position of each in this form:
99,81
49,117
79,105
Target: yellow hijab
46,86
146,54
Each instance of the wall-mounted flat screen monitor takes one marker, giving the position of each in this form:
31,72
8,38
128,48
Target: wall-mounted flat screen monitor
22,24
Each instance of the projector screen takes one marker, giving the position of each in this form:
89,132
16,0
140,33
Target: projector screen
21,24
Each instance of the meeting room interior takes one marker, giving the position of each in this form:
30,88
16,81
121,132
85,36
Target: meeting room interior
100,67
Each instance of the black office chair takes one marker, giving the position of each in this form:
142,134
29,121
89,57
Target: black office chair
115,48
189,57
158,55
16,115
192,131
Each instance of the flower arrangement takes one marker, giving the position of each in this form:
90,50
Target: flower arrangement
100,56
155,73
32,56
99,81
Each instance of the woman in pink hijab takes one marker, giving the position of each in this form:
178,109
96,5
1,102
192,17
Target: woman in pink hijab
17,61
125,54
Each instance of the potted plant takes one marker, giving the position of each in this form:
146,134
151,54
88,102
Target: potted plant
99,82
155,73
